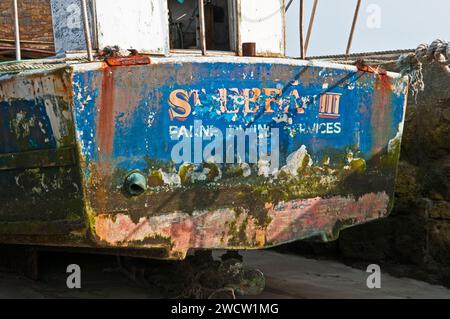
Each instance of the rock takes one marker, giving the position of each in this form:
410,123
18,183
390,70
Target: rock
418,230
407,190
371,241
225,293
243,281
439,241
446,114
399,239
440,210
410,240
435,179
406,184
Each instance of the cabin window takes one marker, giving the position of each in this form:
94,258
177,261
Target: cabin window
219,24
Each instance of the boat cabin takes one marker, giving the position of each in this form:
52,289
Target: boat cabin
156,27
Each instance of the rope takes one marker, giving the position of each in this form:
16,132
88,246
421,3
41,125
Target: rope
29,65
357,55
23,66
367,61
411,64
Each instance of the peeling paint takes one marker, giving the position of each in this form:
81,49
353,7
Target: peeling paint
338,129
214,229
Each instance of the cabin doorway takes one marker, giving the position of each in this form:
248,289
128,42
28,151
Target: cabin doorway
185,26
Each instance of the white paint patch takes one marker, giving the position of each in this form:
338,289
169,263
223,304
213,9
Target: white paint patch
262,22
54,119
264,168
139,24
283,119
170,179
295,161
246,169
22,125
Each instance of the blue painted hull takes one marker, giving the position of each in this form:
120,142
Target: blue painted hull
234,153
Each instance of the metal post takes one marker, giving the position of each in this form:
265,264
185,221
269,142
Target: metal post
311,23
17,30
355,19
288,5
87,31
302,46
201,13
94,21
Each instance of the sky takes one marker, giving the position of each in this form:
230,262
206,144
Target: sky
382,25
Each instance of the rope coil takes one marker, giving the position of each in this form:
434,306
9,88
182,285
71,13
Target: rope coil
411,64
41,64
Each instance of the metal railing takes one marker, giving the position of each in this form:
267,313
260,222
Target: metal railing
17,30
201,16
87,32
304,45
86,26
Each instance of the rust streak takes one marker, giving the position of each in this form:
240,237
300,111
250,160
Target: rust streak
381,115
105,124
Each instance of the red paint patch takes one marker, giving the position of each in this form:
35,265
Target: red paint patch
290,221
105,124
381,113
128,60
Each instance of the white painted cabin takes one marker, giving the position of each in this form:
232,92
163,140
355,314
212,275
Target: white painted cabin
164,27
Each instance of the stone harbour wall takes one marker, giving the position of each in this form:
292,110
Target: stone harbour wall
417,233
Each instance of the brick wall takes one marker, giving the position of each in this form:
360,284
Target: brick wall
35,23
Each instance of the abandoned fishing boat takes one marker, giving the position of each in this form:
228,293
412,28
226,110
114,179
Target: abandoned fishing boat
170,125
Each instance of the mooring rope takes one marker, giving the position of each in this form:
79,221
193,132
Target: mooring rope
26,66
411,64
40,64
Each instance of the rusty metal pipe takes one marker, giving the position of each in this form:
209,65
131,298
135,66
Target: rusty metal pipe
310,26
87,31
135,184
201,17
16,30
27,42
11,48
352,31
249,49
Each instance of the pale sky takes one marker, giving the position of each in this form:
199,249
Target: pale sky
400,24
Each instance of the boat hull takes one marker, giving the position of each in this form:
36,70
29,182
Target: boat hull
234,153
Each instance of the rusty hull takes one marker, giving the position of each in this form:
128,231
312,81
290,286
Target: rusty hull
340,132
40,180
